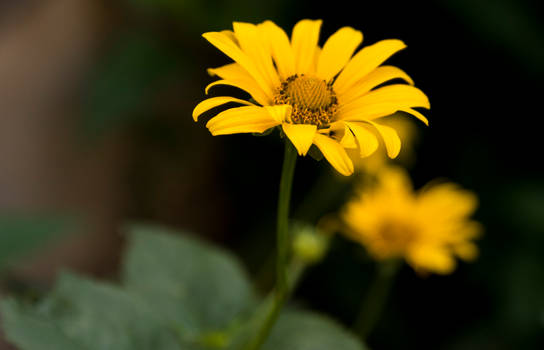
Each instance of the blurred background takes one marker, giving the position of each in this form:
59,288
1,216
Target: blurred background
96,131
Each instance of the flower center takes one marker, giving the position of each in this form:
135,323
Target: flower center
313,100
394,238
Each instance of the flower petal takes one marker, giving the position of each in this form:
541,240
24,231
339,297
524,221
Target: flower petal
234,75
279,113
364,62
390,138
241,120
334,152
213,102
343,134
416,114
368,143
382,102
377,77
281,49
337,51
304,43
252,43
224,43
301,135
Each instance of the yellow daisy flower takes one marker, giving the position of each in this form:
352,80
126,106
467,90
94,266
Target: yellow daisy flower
324,96
428,228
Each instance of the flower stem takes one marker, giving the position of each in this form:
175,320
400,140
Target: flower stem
375,299
283,244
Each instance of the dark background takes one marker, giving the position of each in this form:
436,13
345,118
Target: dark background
96,130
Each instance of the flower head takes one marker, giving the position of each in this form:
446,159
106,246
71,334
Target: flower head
427,228
323,96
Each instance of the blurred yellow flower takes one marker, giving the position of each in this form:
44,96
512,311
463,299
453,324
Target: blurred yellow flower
427,228
323,96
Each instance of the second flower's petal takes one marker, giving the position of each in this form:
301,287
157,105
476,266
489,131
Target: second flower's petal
390,138
377,77
304,43
364,62
241,120
213,102
224,43
368,143
301,135
281,49
233,74
334,152
337,51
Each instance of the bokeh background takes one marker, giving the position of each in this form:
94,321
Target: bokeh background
96,131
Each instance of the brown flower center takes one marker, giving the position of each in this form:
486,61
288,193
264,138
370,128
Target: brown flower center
313,100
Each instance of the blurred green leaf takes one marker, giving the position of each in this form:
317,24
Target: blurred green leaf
198,286
125,82
179,293
82,314
20,233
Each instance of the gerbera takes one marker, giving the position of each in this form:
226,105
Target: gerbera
428,228
323,96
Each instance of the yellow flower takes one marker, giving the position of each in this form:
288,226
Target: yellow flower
325,96
427,228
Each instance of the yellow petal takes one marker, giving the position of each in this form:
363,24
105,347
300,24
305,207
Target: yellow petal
337,51
416,114
213,102
279,113
382,102
281,49
241,120
390,138
234,75
377,77
253,44
301,135
231,49
343,134
364,62
334,153
368,143
304,43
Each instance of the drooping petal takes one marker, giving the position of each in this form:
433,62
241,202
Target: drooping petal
337,51
252,43
416,114
364,62
304,43
334,152
213,102
382,102
390,138
301,135
241,120
281,49
234,75
377,77
368,143
231,49
343,134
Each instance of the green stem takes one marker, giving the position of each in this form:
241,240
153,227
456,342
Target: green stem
282,288
374,302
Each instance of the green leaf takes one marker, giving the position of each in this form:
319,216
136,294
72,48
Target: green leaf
82,314
198,287
303,330
21,233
